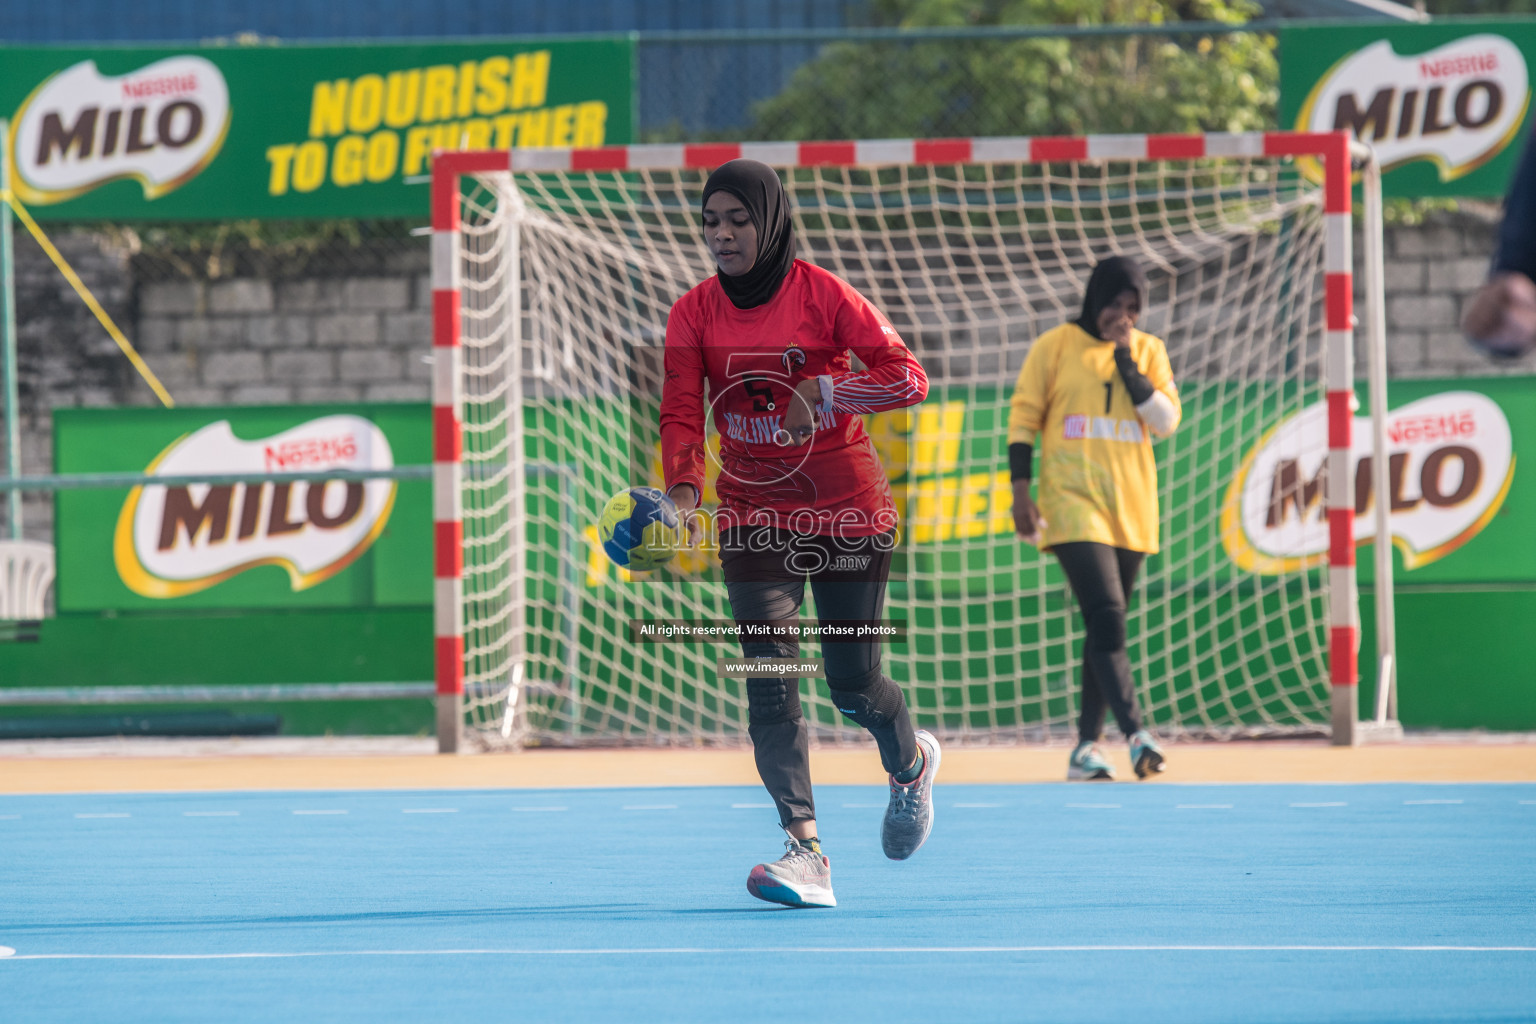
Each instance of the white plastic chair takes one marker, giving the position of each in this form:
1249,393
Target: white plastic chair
26,572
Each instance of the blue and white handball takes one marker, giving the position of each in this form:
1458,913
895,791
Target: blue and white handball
639,529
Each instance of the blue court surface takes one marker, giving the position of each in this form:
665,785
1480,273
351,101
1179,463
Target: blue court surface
1109,902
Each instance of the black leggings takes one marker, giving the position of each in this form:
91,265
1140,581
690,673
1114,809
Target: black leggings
1101,577
765,574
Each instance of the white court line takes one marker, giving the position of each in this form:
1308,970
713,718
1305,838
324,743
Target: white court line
13,817
863,805
753,807
1097,807
650,807
115,814
429,810
1325,803
320,812
1415,803
979,805
210,814
534,810
1523,803
761,950
1203,807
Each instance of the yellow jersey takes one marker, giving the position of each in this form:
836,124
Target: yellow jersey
1093,453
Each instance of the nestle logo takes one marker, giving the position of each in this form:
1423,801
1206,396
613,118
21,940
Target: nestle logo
1411,429
314,452
169,85
1448,67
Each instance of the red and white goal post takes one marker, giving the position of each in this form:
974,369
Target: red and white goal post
553,271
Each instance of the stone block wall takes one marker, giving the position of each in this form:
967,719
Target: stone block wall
64,357
258,342
1429,273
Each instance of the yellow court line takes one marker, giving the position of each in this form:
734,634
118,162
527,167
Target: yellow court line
554,769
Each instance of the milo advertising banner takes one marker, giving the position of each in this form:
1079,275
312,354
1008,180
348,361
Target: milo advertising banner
1446,105
328,543
291,131
1450,464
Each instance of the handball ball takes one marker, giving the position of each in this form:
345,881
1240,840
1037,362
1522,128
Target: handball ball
639,529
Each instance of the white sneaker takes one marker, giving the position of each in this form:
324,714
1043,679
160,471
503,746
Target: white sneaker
800,878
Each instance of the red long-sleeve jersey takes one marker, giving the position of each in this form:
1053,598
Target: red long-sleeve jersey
752,359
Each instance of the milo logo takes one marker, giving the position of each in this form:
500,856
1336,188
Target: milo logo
160,125
177,540
1458,106
1450,462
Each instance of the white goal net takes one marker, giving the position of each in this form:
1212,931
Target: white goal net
566,278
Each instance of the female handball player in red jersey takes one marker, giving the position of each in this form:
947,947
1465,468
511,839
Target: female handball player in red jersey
803,496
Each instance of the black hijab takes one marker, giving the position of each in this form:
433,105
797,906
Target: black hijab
1109,278
762,193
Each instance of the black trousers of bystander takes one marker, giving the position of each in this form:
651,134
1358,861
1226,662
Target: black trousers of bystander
1102,577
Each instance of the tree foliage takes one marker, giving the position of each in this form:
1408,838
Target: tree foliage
936,87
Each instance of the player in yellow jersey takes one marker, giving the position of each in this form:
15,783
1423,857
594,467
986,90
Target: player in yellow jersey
1089,399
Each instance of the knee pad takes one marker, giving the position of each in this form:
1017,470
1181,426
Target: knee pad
873,706
1106,629
772,701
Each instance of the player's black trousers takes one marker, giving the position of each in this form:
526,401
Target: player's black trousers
1101,577
766,570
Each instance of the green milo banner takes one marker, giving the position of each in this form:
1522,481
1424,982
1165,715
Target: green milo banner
328,544
1446,105
291,131
237,585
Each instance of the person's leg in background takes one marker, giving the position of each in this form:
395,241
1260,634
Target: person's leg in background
1146,756
1102,578
1087,760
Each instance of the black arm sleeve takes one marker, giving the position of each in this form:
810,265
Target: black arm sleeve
1136,382
1021,459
